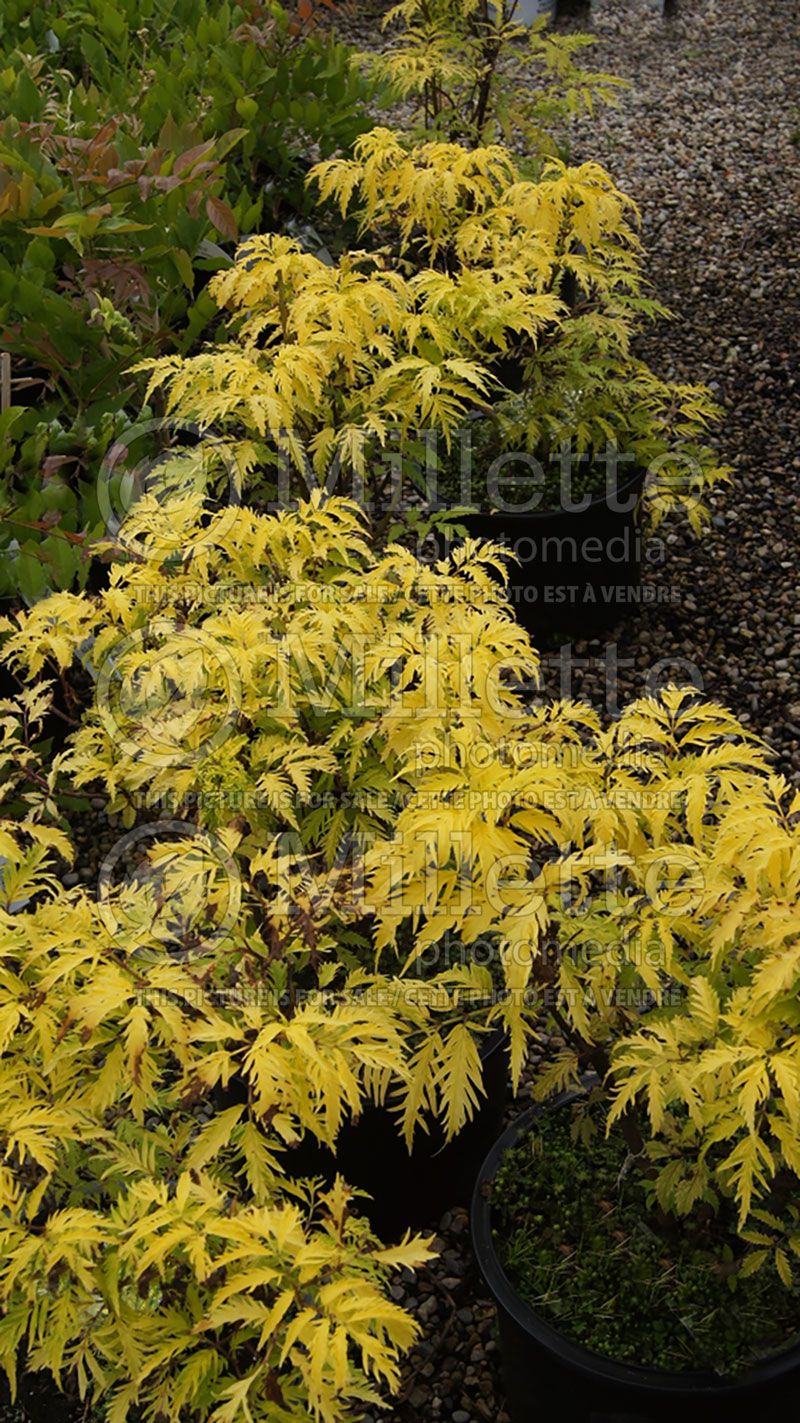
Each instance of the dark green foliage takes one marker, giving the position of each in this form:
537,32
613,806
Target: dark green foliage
479,470
219,66
137,142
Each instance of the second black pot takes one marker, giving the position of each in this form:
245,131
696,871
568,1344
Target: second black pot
578,569
543,1369
408,1191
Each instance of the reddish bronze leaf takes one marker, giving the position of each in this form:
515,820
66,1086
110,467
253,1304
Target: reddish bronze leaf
191,156
223,219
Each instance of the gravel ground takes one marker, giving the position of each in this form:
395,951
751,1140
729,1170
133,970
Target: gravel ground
707,142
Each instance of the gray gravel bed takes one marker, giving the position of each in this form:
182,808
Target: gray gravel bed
707,143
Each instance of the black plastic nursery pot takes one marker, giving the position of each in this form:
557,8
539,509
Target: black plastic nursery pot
575,568
544,1370
413,1190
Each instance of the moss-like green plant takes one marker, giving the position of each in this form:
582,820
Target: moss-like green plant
574,1239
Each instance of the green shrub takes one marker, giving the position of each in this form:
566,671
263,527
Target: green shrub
133,143
216,65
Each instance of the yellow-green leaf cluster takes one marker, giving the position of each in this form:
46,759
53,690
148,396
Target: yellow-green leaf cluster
478,74
644,882
151,1245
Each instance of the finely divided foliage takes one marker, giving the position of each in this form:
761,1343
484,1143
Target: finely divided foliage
321,671
665,858
358,770
172,1261
658,856
170,1264
478,74
466,261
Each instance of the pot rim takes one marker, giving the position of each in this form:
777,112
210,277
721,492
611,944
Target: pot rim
511,516
576,1356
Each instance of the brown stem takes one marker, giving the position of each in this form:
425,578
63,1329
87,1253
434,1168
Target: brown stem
491,52
40,780
635,1141
282,308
